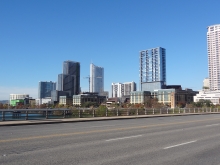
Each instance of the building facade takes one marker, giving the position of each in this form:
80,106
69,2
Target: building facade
152,69
213,96
123,89
64,100
45,88
16,99
213,43
69,80
139,97
168,97
55,95
88,97
43,101
96,79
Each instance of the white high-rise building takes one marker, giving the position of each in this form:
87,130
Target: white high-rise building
123,89
96,79
213,43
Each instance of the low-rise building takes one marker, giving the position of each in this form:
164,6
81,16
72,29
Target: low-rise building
88,97
169,97
43,101
55,95
65,100
21,99
213,96
139,97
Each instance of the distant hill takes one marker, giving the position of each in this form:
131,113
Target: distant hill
4,101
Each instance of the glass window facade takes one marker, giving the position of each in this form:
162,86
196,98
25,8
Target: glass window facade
96,78
69,81
45,88
152,69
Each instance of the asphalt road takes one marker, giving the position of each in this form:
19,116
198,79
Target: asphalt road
158,141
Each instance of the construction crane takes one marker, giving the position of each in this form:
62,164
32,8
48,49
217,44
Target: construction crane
89,81
88,77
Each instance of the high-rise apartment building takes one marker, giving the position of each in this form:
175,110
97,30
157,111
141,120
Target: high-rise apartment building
123,89
152,69
69,80
213,43
45,88
96,79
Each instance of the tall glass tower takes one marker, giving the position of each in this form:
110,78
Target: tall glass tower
96,78
69,80
152,69
213,43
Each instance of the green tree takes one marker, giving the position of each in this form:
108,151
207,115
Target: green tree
101,110
89,104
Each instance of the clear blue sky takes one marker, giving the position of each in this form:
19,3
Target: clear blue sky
36,36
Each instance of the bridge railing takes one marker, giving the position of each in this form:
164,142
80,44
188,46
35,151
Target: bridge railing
39,114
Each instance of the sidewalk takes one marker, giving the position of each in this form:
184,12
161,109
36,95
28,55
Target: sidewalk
71,120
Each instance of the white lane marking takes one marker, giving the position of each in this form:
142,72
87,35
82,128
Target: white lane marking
128,137
211,125
180,144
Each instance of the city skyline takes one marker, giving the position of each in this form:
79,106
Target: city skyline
37,36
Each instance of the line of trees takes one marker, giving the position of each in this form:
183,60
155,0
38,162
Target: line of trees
149,103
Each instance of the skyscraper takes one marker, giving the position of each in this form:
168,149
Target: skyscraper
213,43
96,78
152,69
69,80
45,88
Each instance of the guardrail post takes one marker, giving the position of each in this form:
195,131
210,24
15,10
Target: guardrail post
153,112
79,113
93,113
26,118
137,111
106,112
179,110
64,114
46,114
117,112
194,110
167,111
3,116
173,110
